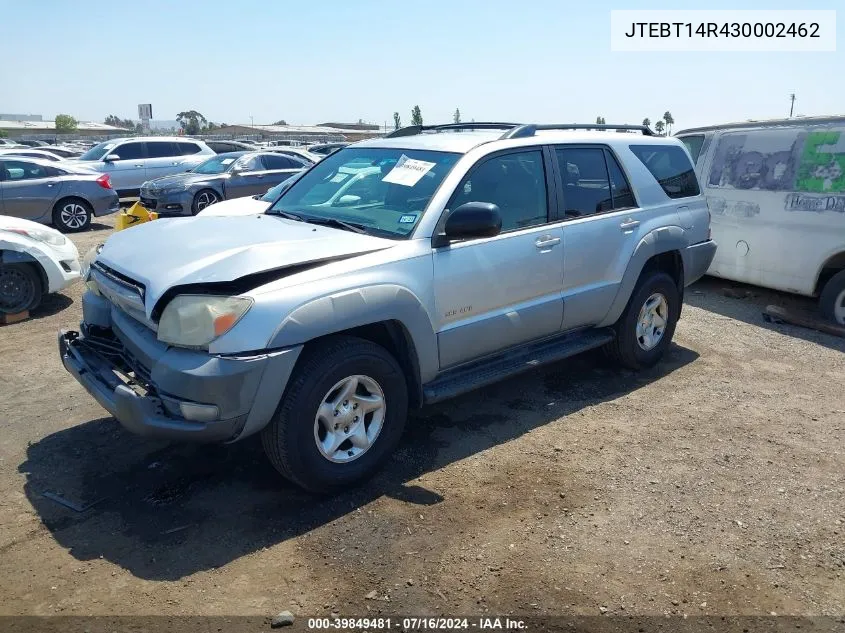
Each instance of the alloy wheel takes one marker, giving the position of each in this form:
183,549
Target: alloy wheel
349,419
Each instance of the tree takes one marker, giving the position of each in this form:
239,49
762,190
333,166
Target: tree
647,122
416,116
600,120
126,124
457,115
65,124
659,126
191,121
397,121
667,116
279,122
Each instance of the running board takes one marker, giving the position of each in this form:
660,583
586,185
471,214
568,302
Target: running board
490,370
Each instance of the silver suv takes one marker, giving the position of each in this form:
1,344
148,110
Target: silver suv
460,255
132,161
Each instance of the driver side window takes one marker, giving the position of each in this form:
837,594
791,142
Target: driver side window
515,182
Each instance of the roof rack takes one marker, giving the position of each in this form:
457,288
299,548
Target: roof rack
523,131
515,130
413,130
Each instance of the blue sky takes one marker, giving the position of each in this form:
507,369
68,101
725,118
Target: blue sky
310,62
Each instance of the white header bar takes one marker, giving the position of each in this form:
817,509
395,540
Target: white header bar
715,31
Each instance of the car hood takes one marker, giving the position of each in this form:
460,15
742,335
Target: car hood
208,250
236,206
178,181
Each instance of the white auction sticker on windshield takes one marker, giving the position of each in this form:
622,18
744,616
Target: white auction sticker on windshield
408,171
339,177
227,161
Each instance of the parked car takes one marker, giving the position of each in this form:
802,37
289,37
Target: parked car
34,260
776,190
32,153
30,143
223,177
222,147
132,161
250,205
62,194
64,152
298,152
324,149
474,256
6,143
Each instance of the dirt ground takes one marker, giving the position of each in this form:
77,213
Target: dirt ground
712,484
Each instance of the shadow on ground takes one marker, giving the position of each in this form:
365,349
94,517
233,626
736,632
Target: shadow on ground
51,304
164,511
746,303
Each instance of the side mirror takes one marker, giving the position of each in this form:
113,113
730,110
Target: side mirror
471,220
111,158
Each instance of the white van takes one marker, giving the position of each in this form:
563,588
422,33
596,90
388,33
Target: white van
776,192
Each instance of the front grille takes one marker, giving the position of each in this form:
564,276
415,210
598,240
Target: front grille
148,203
106,344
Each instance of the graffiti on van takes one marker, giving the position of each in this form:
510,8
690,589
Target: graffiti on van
780,160
817,203
822,165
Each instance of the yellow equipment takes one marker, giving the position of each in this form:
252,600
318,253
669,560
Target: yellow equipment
134,215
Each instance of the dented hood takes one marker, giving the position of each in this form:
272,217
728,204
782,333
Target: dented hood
202,250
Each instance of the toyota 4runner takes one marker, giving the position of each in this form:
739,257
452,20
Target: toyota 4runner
395,273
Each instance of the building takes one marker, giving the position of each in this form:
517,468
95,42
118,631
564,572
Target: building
46,130
305,133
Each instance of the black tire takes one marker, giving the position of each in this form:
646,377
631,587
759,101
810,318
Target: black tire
200,200
71,215
20,288
832,299
289,440
626,349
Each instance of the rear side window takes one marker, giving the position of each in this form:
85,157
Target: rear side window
670,166
586,185
186,149
623,197
160,149
694,144
14,170
277,161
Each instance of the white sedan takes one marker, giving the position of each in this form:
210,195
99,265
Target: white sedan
34,260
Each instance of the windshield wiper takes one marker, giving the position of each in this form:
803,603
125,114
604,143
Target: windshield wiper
285,214
340,224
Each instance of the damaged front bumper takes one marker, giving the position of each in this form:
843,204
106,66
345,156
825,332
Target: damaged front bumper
157,390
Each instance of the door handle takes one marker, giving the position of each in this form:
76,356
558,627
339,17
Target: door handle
50,184
683,208
629,225
141,165
547,241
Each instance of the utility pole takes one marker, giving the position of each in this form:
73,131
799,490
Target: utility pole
791,104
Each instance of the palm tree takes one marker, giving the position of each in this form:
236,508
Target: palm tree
647,122
667,116
659,127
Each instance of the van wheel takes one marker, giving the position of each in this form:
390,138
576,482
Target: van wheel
72,215
832,300
341,416
644,331
20,288
204,198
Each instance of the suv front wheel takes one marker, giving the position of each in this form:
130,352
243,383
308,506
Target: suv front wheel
644,331
341,416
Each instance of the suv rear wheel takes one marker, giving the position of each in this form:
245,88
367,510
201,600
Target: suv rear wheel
645,329
341,416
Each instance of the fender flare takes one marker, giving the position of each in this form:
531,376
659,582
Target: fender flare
662,240
363,306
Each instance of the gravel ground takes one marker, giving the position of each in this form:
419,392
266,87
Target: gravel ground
710,485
